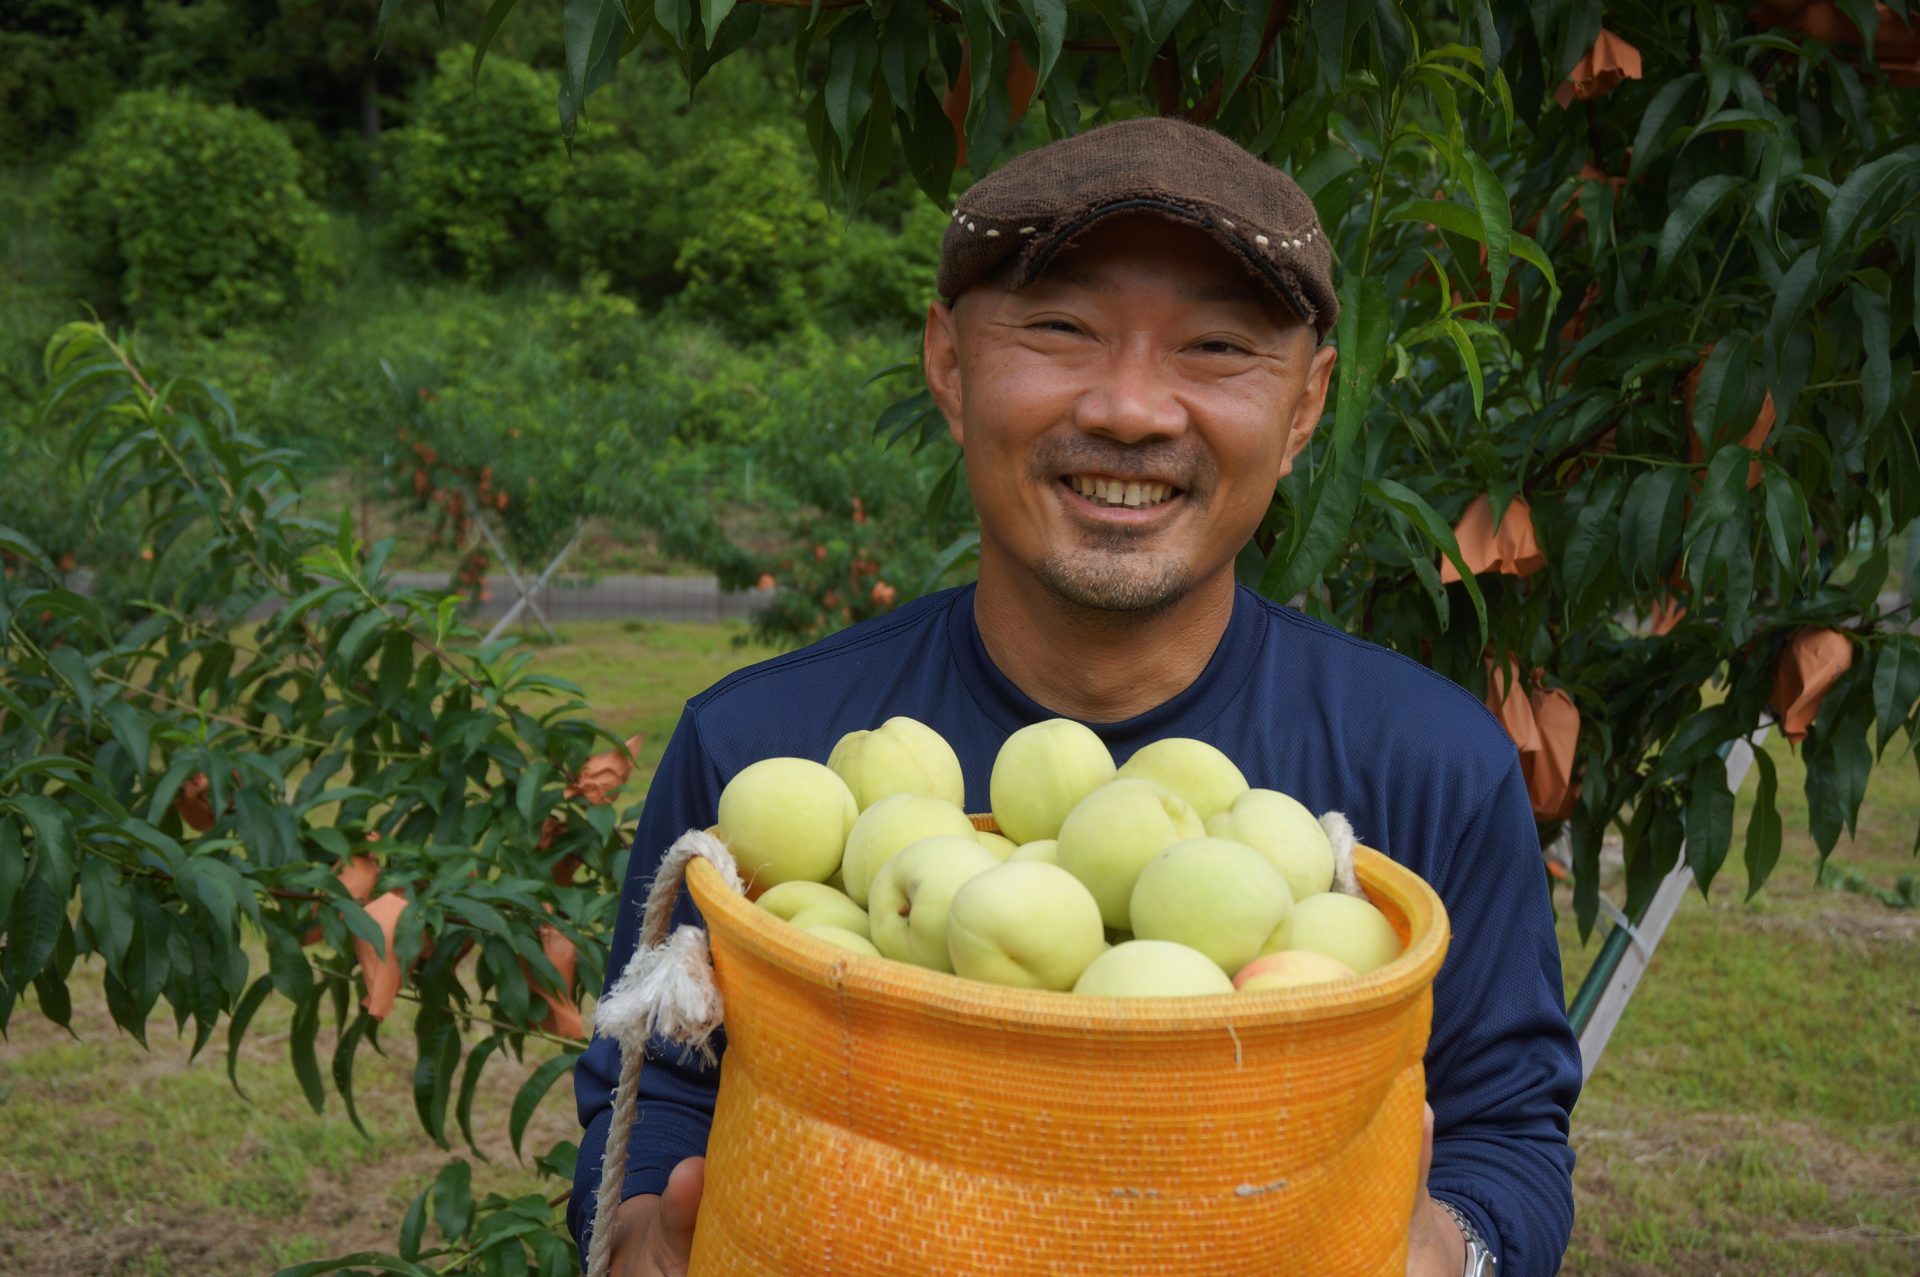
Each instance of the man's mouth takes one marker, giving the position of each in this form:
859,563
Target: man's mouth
1132,494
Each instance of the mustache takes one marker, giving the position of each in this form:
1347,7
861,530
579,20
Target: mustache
1186,467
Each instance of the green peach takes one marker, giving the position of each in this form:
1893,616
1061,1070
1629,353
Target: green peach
901,756
1023,923
1152,969
785,820
1193,769
1289,969
1220,897
1346,928
845,939
1041,772
913,892
1001,846
890,824
1285,832
1111,835
1044,850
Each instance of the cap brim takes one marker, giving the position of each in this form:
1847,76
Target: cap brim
1042,252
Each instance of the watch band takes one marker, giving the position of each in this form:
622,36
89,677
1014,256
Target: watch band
1481,1261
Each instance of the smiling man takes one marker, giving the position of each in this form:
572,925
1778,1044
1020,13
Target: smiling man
1130,358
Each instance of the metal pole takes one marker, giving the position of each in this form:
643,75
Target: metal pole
1628,949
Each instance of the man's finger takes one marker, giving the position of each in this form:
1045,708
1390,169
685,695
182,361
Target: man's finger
679,1204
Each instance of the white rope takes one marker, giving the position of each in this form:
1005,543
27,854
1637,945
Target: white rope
667,991
1340,834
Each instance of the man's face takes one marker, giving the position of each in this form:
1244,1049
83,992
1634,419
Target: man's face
1126,417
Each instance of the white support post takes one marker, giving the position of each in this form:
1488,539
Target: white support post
1644,938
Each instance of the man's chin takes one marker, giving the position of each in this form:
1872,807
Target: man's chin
1136,592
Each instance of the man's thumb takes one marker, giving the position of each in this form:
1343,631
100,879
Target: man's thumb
679,1204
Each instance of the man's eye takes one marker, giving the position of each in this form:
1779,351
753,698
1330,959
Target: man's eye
1055,326
1221,346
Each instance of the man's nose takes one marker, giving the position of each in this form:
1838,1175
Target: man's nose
1132,399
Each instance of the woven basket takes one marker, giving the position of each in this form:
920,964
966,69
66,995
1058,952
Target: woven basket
879,1118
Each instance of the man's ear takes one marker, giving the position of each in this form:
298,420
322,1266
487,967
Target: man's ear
940,357
1307,409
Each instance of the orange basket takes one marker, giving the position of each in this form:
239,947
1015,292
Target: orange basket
878,1118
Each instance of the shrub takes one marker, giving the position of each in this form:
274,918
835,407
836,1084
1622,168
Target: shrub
60,65
754,236
473,172
192,212
607,219
885,275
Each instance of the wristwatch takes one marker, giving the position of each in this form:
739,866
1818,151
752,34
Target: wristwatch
1481,1261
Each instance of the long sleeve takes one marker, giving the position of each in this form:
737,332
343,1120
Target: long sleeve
676,1092
1503,1066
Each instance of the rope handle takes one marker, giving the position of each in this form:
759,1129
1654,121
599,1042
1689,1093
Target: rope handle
1340,833
666,991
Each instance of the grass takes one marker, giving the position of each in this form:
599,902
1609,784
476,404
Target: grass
1757,1112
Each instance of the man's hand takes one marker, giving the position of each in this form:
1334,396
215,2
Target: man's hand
1435,1246
653,1236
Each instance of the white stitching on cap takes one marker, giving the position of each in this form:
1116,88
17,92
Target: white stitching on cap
973,226
992,233
1028,230
1261,240
1224,222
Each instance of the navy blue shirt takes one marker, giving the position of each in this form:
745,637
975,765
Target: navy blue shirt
1420,767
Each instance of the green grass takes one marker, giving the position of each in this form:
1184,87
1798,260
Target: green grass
1757,1112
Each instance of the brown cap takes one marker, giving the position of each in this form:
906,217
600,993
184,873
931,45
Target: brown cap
1039,202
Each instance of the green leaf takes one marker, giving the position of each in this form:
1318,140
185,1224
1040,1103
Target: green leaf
714,12
1650,139
1876,373
489,27
1594,534
1724,494
1862,194
1398,496
1242,30
13,865
129,728
593,30
1896,685
1763,825
469,1081
389,10
77,674
1792,300
343,1053
452,1200
1361,333
1684,222
104,908
1049,21
1709,820
1786,515
532,1091
237,1023
852,56
1650,521
300,1038
872,154
1470,358
439,1055
903,55
1496,224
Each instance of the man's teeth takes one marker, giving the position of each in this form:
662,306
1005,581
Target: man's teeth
1117,492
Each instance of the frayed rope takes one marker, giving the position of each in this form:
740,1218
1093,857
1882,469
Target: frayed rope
1340,833
667,991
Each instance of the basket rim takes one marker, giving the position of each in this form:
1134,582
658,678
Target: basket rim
885,982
